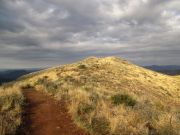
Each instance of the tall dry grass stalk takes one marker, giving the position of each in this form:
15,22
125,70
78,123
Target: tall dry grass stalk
11,101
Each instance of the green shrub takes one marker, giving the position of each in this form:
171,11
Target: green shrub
27,86
69,79
94,97
83,113
84,108
123,99
82,66
50,86
43,80
100,126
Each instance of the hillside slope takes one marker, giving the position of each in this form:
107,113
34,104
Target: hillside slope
112,96
113,74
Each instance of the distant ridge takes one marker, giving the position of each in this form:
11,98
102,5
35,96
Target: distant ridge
7,75
167,69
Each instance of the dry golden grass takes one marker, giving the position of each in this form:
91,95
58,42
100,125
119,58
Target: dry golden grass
89,85
11,101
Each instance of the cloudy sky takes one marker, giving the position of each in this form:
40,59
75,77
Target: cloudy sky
41,33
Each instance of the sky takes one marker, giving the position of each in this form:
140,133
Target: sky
44,33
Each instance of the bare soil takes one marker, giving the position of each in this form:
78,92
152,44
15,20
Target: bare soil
45,116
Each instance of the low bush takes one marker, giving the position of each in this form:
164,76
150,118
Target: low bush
123,99
100,126
84,108
27,86
82,66
42,80
83,114
69,79
50,86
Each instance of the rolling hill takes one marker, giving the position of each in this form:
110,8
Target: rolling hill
112,96
8,75
168,69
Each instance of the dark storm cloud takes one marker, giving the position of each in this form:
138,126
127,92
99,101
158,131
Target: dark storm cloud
37,33
9,18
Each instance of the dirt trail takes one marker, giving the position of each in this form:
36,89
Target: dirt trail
46,117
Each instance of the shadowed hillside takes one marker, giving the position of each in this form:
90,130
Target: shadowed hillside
112,96
170,70
12,74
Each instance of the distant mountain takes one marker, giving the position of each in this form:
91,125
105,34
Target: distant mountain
7,75
168,69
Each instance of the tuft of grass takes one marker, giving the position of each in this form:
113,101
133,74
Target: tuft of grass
11,102
100,126
85,108
49,86
123,99
27,86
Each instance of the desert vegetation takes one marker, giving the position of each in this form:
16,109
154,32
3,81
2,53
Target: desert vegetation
11,101
112,96
106,96
123,99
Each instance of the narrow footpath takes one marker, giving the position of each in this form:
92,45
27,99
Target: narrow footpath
44,116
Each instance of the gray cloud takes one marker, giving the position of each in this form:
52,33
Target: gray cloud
50,32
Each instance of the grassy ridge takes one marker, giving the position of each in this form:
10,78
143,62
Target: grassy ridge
104,96
113,96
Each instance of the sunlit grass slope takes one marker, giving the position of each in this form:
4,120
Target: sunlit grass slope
112,96
11,101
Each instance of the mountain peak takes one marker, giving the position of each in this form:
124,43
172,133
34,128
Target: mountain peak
104,60
112,59
111,85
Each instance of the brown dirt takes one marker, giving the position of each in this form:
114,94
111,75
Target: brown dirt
44,116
